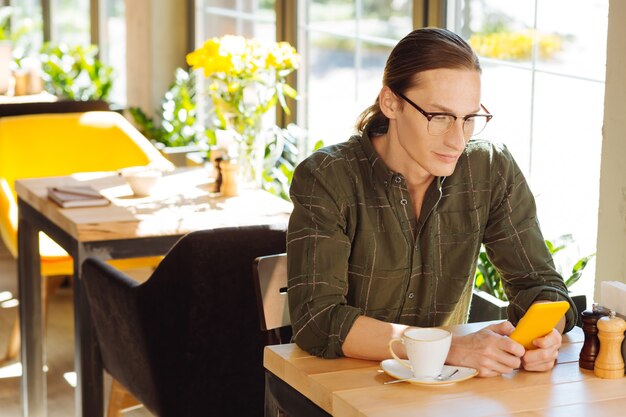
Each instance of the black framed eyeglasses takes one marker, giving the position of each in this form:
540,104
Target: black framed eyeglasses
440,122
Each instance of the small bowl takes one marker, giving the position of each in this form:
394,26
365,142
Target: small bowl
142,180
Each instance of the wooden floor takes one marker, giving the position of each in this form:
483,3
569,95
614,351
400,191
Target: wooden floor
59,348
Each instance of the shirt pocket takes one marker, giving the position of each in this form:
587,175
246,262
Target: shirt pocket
378,272
457,236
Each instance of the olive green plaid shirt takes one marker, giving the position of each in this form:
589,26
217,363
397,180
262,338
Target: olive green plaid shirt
355,247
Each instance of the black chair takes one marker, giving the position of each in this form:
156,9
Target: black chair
187,342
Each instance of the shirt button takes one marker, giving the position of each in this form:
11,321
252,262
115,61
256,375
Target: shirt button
411,295
403,201
398,180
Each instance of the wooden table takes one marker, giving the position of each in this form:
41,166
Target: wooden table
129,227
350,388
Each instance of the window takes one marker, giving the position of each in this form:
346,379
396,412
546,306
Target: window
70,22
27,20
113,45
344,45
543,78
249,18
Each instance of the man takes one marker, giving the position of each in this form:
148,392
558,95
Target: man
387,227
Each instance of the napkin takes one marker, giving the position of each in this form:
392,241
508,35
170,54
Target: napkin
613,296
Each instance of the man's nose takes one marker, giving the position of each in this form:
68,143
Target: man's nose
455,138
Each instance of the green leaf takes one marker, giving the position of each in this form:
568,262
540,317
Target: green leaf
577,270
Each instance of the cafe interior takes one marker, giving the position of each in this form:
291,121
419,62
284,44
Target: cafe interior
147,149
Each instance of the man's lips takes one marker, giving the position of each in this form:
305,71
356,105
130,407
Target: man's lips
447,157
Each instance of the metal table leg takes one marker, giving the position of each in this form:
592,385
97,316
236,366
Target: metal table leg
31,321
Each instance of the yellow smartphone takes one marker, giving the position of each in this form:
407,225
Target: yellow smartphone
538,321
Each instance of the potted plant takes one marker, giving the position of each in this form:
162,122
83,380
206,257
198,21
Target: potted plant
489,302
175,132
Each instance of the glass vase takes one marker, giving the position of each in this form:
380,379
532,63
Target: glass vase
250,154
250,161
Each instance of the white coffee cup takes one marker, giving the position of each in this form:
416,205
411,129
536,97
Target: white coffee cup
427,349
141,179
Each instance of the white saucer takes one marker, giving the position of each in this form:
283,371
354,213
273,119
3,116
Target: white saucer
395,370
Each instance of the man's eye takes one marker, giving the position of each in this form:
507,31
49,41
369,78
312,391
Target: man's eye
441,118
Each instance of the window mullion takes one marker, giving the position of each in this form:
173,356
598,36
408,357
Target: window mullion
287,31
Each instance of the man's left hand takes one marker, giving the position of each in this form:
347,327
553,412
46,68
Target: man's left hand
544,356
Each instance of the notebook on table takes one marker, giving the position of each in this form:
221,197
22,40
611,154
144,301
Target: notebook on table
77,196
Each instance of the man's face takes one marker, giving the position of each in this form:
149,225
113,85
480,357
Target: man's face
453,91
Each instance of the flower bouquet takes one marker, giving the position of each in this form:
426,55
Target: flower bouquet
246,78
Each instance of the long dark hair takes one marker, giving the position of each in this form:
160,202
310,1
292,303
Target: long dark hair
421,50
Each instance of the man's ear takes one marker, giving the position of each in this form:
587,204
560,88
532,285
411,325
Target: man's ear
388,102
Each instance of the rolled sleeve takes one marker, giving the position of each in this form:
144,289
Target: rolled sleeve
516,247
317,254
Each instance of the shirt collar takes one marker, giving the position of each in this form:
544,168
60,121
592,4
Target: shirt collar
379,169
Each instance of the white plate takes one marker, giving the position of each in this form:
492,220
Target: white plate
395,370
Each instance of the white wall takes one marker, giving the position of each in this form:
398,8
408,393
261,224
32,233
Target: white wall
156,45
611,254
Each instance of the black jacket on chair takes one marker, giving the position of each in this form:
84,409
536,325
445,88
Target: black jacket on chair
187,342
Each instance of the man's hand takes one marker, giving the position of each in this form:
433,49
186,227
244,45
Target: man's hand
491,352
544,357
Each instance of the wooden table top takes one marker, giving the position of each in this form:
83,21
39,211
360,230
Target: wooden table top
350,387
181,204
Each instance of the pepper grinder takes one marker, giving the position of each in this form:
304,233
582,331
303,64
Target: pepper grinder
609,363
589,352
229,178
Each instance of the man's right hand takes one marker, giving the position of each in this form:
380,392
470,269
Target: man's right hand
489,350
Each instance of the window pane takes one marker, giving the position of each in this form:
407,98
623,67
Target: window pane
511,122
113,45
70,22
369,75
566,156
386,18
497,30
330,88
251,18
27,21
344,47
581,50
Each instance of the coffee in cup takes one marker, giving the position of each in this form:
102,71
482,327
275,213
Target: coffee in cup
427,349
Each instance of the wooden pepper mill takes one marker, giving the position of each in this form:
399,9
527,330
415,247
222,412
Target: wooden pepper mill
609,363
591,347
229,178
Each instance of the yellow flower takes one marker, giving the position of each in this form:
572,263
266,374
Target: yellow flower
514,45
246,77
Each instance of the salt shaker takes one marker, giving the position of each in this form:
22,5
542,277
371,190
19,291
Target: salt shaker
589,352
609,363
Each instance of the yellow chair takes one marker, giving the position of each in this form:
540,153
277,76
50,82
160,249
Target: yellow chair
46,145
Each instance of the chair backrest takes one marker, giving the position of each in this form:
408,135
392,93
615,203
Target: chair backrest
44,145
271,289
60,106
187,342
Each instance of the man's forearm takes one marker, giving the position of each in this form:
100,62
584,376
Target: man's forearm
369,338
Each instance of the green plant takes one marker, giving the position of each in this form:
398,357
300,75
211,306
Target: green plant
5,22
488,279
177,123
281,158
75,72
